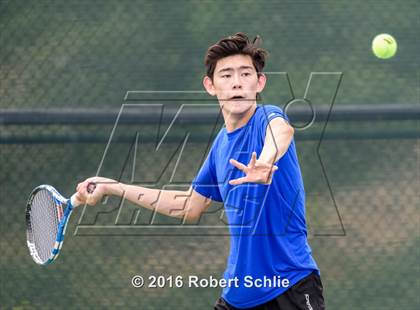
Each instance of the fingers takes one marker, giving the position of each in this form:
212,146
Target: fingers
91,187
89,183
261,174
238,181
237,164
78,200
85,192
253,159
91,200
241,166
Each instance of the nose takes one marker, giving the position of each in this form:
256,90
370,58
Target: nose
237,84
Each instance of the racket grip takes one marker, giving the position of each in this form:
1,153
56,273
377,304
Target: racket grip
91,187
74,202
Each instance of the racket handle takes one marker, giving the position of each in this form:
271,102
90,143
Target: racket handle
74,201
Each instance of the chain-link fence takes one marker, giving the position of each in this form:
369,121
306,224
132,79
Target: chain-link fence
81,60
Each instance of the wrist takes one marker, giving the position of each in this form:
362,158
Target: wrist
268,158
114,189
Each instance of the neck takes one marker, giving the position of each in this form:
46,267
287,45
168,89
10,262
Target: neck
235,121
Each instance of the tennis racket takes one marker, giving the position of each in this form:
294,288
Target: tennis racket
47,215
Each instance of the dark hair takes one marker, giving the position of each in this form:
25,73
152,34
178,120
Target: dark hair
233,45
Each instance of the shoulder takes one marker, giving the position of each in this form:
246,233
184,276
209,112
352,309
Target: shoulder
218,140
267,112
220,135
270,108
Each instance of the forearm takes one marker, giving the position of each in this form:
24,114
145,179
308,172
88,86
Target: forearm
275,146
167,202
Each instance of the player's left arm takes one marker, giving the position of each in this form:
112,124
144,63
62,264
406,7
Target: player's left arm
278,136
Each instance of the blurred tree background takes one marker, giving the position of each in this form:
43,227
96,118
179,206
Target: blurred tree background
89,53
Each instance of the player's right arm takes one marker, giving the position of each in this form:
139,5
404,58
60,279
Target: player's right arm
188,205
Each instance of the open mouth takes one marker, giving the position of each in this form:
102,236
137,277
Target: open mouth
237,98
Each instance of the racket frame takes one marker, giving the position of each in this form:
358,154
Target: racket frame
60,202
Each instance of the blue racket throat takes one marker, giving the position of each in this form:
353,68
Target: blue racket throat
62,229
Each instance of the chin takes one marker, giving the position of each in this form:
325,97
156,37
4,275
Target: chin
238,107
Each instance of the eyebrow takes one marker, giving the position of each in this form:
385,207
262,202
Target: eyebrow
231,69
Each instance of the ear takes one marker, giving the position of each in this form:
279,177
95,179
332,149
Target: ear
261,82
208,85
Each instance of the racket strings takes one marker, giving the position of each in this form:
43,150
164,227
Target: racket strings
44,220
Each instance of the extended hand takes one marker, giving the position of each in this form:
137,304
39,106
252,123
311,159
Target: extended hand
91,196
255,172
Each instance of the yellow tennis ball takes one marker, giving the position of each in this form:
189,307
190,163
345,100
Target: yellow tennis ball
384,46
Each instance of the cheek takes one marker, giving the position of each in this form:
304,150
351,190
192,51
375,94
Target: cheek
221,88
251,87
252,82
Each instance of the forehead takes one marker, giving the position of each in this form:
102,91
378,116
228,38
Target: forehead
234,62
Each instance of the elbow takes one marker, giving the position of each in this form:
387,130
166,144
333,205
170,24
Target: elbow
192,217
195,212
196,206
191,214
287,139
291,131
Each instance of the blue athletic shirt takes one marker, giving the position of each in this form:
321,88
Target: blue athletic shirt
266,222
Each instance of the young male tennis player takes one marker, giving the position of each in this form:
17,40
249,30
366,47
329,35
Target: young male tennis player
253,169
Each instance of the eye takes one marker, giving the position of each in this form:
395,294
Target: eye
226,76
246,74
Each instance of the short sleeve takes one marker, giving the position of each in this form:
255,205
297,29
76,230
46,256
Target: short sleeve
268,113
205,183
